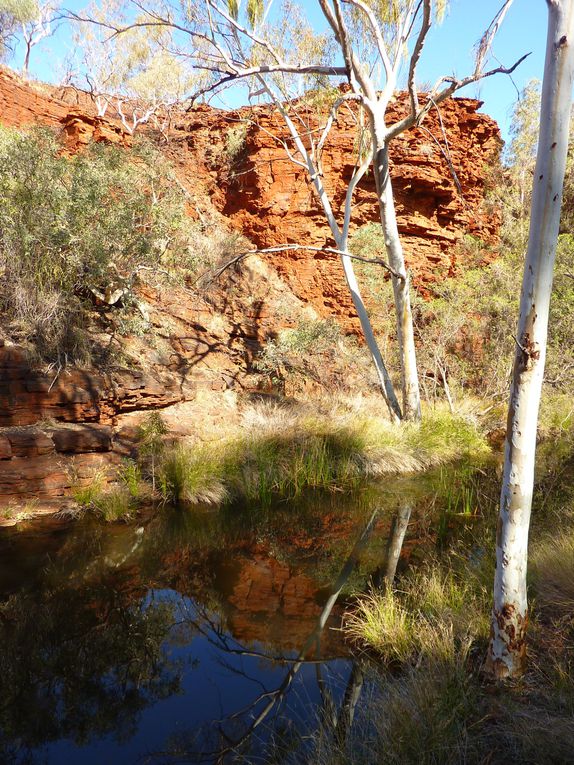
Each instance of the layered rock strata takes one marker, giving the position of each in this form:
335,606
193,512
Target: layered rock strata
70,422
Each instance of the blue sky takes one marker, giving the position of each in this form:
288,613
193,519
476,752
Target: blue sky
448,49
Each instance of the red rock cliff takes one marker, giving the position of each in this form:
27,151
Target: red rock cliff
269,199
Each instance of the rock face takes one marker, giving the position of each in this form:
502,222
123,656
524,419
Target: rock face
56,423
439,174
59,427
272,202
438,171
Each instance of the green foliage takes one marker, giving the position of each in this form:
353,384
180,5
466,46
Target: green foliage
293,350
130,475
255,10
286,463
114,504
191,475
72,225
468,328
14,13
151,434
380,622
87,495
235,143
111,503
434,612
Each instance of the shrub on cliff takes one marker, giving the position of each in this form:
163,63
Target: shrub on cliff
75,227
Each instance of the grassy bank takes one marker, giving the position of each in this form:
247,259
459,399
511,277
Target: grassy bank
282,451
423,645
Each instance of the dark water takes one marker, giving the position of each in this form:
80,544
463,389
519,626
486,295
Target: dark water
164,640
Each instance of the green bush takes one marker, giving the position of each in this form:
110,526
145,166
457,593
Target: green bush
294,351
73,225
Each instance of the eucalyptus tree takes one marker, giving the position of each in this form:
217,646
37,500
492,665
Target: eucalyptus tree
273,49
134,75
507,650
40,25
13,14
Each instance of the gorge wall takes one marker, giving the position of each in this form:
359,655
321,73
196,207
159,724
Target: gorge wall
59,425
439,174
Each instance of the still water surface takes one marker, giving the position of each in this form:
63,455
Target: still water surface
167,639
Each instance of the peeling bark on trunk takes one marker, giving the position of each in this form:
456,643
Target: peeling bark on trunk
405,332
507,651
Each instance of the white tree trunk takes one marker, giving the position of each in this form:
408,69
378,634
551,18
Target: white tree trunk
341,240
405,332
507,651
384,379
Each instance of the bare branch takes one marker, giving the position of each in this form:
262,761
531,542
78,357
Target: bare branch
417,50
445,153
285,247
485,42
332,115
328,71
244,31
354,71
437,96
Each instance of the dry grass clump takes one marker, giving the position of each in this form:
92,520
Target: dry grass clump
191,475
283,450
552,567
425,712
112,503
380,622
433,706
433,612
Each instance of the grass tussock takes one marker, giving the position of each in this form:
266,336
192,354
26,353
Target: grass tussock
429,701
433,612
279,451
552,569
110,503
191,474
382,623
426,712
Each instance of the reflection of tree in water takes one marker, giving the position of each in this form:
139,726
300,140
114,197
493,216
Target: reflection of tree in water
81,652
231,739
79,664
237,738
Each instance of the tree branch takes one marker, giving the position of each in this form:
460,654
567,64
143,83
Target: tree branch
434,98
328,71
419,44
286,247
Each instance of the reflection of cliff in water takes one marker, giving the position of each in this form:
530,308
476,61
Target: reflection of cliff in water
99,624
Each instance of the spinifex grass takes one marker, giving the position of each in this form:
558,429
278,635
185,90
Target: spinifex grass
112,503
191,474
435,706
